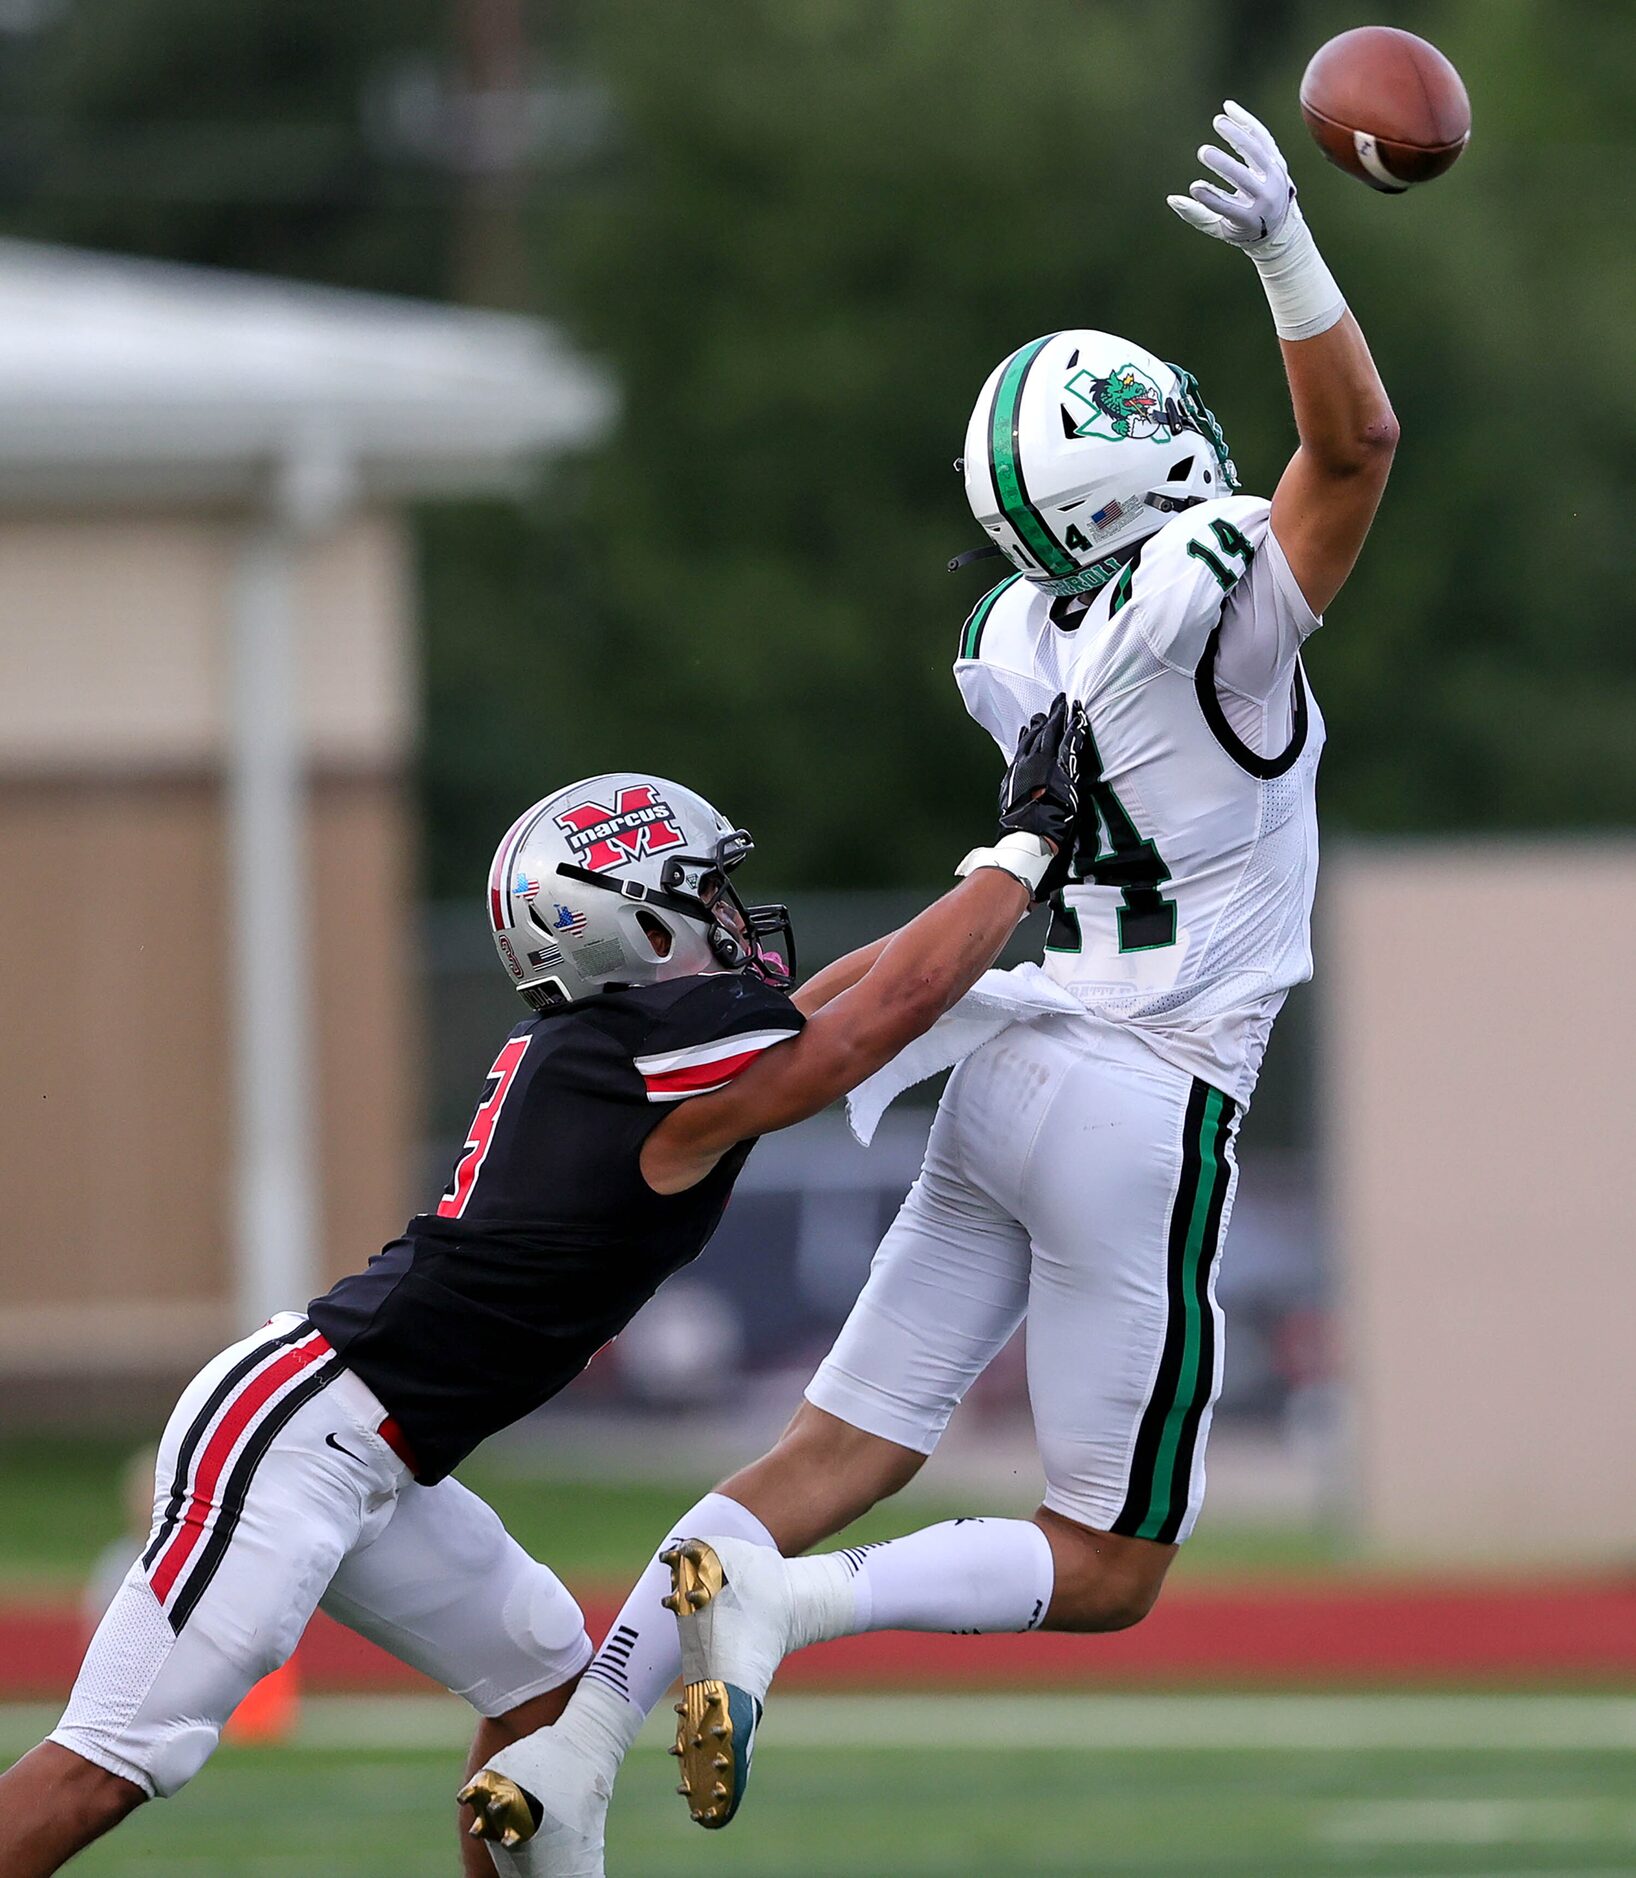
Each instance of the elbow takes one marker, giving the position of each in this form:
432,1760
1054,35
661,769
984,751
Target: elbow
918,1005
1367,448
1373,444
924,1002
1378,439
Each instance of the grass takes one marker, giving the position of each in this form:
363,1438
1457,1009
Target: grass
60,1504
884,1788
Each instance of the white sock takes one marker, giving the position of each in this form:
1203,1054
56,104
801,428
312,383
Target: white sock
640,1657
966,1575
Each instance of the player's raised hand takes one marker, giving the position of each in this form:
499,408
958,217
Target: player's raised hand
1253,206
1040,792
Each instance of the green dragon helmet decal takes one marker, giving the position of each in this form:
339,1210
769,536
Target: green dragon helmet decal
1120,400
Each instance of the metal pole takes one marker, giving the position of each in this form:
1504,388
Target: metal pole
275,1199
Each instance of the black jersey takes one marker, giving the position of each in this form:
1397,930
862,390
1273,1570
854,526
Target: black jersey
548,1240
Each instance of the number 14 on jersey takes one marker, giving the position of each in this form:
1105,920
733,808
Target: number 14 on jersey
1112,852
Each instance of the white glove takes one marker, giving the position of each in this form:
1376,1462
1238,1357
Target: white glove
1261,190
1258,213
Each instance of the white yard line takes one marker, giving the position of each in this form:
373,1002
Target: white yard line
1087,1723
1452,1821
1226,1723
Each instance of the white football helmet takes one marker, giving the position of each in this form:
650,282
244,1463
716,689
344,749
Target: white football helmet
623,880
1082,445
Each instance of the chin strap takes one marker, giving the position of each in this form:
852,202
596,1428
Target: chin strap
987,552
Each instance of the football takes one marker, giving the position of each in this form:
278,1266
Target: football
1386,107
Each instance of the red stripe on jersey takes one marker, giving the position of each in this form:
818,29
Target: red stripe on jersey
694,1078
241,1411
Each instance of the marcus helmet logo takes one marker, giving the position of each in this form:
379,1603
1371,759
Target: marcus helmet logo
1123,403
640,822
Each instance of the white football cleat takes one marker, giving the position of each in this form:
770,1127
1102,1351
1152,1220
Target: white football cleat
737,1618
542,1805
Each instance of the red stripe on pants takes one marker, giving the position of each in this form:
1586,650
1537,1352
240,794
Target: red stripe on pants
240,1412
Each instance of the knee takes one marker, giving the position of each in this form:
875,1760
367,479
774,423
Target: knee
1103,1582
1119,1605
544,1619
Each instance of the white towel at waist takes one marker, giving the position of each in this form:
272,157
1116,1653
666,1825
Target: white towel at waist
997,1000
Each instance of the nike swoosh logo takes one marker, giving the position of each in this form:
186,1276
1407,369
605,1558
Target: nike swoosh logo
331,1442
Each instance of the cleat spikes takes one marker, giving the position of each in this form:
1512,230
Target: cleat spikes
500,1809
675,1748
718,1731
719,1790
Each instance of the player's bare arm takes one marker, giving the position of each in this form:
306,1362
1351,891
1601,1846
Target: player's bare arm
910,979
840,976
932,963
1326,499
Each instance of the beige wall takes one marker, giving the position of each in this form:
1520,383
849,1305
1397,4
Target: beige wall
115,1121
114,654
1480,1123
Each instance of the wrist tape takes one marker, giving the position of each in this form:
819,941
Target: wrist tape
1023,857
1300,289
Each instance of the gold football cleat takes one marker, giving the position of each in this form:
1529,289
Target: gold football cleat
695,1575
502,1810
706,1736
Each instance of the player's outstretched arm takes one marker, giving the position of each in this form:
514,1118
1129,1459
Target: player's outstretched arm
915,976
824,987
1327,497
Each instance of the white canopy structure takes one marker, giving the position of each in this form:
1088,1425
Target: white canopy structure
129,378
133,383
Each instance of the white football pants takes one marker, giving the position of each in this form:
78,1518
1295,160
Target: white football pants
276,1492
1074,1179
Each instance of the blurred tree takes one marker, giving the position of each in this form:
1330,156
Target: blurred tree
815,226
252,135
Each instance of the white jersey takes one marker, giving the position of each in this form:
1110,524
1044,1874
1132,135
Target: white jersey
1190,913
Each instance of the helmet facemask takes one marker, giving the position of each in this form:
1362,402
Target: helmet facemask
696,887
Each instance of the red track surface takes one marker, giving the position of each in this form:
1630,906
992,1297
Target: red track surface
1329,1632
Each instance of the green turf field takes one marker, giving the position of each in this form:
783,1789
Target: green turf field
591,1532
1169,1786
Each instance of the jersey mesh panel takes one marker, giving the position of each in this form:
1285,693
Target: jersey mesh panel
1022,693
117,1675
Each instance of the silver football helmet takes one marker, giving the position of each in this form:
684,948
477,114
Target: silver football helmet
623,880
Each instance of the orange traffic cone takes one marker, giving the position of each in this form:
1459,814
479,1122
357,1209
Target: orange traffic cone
269,1712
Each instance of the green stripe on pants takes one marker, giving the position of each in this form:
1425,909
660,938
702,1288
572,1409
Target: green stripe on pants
1212,1172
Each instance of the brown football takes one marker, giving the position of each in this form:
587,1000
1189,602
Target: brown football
1386,107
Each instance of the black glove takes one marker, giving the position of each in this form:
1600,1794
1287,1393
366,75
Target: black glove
1040,794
